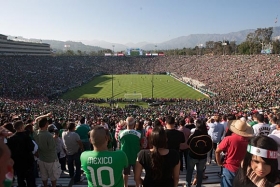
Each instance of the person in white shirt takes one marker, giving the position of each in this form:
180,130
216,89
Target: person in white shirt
273,124
224,123
216,131
103,124
261,128
275,135
74,147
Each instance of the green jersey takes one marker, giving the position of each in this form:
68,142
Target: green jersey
130,144
252,123
105,168
82,131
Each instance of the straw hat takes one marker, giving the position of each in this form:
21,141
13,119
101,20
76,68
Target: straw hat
241,128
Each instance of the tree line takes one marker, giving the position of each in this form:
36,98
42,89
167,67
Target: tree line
255,43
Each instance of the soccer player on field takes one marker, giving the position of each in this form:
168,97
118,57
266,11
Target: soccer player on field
103,167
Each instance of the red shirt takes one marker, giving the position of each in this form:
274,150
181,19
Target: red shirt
235,147
148,133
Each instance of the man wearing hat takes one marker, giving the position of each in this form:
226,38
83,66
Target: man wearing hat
234,147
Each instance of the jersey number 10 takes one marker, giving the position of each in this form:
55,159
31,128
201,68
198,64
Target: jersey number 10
99,181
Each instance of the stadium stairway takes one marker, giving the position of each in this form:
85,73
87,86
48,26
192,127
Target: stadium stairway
212,171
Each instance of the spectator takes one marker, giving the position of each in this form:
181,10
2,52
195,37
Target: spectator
200,144
4,133
259,167
254,119
48,161
6,166
21,147
73,147
234,147
174,137
29,130
57,124
60,150
83,131
119,127
216,130
190,125
6,169
184,148
139,128
273,124
130,144
161,165
148,130
114,141
110,142
261,128
224,123
108,166
275,135
104,124
9,127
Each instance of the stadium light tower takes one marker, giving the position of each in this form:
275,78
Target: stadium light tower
153,81
113,76
112,84
200,46
224,51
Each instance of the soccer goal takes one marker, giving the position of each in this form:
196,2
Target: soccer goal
133,96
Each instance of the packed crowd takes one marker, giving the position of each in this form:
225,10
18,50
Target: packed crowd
246,148
244,85
240,82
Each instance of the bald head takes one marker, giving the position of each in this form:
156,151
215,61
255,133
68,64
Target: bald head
130,121
99,136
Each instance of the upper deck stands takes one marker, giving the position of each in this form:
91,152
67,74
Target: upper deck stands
12,47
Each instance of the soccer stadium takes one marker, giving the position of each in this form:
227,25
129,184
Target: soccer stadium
203,116
134,87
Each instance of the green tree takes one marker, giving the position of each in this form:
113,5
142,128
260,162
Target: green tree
70,53
79,52
276,47
251,39
244,48
93,53
263,35
209,47
233,47
218,48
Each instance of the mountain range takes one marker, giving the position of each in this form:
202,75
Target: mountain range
189,41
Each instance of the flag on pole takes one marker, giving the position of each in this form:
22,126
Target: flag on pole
276,19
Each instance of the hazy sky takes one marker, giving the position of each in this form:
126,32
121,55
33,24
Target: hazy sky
123,21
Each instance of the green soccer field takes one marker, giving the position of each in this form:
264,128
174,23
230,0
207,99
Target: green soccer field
164,87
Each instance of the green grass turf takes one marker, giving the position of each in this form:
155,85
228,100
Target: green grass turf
164,87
